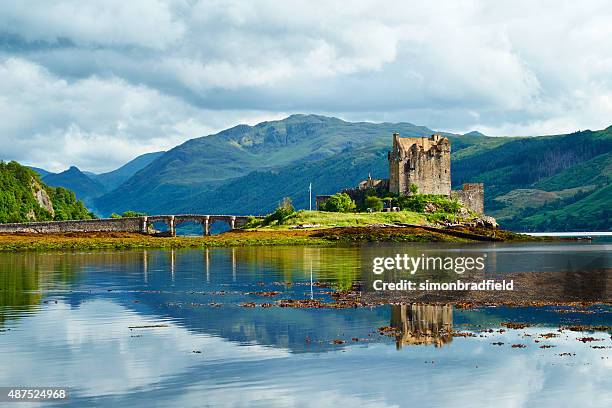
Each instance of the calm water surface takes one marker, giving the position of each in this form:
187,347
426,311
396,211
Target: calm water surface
169,328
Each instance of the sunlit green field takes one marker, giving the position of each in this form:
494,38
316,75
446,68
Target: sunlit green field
334,219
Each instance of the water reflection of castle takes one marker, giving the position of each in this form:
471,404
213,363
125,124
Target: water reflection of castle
422,324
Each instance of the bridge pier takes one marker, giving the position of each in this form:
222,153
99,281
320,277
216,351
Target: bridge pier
144,225
171,226
206,225
233,222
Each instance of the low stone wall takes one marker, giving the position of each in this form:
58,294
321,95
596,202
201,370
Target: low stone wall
471,196
56,227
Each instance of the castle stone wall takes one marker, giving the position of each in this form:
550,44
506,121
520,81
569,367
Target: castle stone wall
471,196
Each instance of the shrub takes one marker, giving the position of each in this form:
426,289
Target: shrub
414,188
418,202
374,203
133,214
340,202
284,210
253,222
128,214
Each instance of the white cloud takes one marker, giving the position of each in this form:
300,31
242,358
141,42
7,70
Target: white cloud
95,123
111,22
136,76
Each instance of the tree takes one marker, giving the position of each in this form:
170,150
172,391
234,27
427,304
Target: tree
340,202
128,214
131,213
414,188
374,203
19,189
284,210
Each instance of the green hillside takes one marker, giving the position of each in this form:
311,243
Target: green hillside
597,171
23,197
523,162
115,178
259,192
591,211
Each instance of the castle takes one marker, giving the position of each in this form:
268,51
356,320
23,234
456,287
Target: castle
420,165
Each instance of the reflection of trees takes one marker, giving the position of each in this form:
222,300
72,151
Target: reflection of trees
422,324
23,277
338,265
19,283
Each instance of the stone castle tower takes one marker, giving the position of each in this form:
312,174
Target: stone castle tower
422,161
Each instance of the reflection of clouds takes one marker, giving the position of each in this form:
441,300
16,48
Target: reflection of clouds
377,375
91,349
278,396
540,377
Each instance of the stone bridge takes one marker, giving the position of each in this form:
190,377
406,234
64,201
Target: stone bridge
142,224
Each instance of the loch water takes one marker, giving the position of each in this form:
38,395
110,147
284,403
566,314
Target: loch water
204,328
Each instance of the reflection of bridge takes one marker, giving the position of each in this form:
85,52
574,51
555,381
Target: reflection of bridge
128,224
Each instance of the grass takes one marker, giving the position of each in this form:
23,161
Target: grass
332,219
95,241
329,236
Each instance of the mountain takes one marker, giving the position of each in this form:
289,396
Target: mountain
84,187
208,162
24,197
473,133
88,185
115,178
41,172
249,169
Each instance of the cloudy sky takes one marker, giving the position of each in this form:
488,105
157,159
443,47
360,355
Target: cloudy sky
97,83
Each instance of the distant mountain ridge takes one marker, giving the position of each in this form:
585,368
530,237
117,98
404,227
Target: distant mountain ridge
87,185
208,162
115,178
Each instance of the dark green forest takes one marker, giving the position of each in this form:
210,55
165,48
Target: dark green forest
22,193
